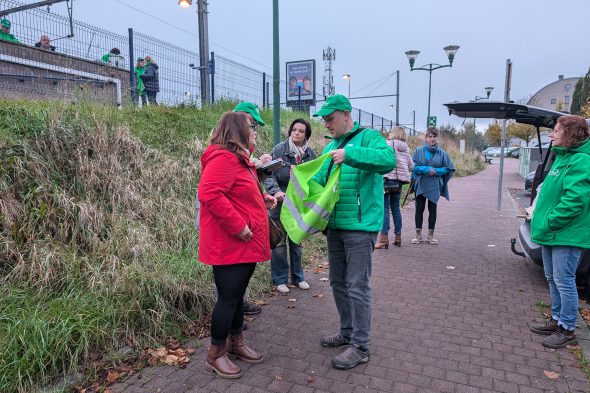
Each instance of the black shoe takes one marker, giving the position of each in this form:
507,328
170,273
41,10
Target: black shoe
335,340
251,309
352,356
545,329
560,339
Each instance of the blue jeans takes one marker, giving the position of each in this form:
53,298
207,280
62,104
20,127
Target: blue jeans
392,201
279,262
560,264
349,254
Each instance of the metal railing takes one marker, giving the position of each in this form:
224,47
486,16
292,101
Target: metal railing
178,67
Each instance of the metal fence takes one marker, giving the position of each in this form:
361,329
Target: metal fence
178,67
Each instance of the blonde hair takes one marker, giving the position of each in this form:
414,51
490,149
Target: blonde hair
398,133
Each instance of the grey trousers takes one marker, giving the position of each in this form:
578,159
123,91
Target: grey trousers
349,254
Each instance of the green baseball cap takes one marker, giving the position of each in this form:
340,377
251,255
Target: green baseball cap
6,23
334,103
252,109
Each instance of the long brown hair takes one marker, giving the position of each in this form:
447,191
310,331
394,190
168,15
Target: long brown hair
575,129
232,132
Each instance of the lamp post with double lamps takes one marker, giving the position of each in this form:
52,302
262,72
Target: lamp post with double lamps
347,77
450,50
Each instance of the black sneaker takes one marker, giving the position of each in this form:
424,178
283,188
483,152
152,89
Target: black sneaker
545,329
352,356
335,340
560,339
251,309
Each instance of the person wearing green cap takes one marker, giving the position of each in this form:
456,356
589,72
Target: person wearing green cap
5,35
139,86
364,157
253,114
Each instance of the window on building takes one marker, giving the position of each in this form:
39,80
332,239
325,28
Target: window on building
553,101
566,100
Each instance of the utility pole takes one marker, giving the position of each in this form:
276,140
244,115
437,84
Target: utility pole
276,77
507,87
397,99
204,51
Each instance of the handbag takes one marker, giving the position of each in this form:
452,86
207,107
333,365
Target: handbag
275,232
392,186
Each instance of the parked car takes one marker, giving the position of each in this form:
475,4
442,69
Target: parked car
515,153
537,117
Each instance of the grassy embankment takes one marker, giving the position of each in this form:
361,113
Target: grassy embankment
97,245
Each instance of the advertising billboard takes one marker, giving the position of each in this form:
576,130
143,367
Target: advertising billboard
301,80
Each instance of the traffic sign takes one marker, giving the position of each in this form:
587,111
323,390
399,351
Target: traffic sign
431,121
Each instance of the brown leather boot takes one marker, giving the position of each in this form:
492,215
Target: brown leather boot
382,242
235,346
398,241
218,361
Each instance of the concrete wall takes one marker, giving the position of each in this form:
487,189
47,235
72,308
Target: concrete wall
34,82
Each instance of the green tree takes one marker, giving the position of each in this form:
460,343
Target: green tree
525,132
493,134
581,96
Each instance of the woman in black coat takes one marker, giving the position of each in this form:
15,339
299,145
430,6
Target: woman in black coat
151,80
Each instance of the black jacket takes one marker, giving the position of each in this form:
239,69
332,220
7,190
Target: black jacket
150,78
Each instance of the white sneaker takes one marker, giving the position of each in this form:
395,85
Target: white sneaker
303,285
282,288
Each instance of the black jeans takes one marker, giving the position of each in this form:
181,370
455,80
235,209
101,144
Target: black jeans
228,314
151,96
419,217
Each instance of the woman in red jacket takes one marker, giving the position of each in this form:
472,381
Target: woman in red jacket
233,234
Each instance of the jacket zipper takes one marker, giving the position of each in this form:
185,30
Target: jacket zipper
358,198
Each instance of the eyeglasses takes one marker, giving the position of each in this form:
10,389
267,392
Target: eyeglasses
253,127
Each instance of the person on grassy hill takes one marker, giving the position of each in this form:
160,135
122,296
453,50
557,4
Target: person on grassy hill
393,183
293,151
5,34
234,235
353,224
139,86
560,226
432,172
151,79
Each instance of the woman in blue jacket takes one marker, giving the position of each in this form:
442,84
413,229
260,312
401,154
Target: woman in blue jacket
432,173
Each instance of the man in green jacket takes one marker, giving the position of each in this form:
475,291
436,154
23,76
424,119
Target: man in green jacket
560,226
5,35
353,224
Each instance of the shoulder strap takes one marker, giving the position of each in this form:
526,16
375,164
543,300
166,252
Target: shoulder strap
256,180
344,142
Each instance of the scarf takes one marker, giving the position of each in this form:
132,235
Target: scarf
296,151
431,148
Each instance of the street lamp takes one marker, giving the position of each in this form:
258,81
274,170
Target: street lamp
185,3
347,76
488,90
450,50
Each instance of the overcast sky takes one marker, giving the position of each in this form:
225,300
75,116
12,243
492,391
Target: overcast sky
543,39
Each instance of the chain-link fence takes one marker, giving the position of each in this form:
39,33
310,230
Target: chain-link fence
178,68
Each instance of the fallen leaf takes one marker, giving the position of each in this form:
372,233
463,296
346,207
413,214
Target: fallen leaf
572,347
319,295
191,351
107,391
170,359
546,315
161,352
292,300
324,279
248,318
291,286
112,376
177,352
173,343
551,374
260,303
451,267
290,306
310,379
278,377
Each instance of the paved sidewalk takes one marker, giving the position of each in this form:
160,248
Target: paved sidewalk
446,318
